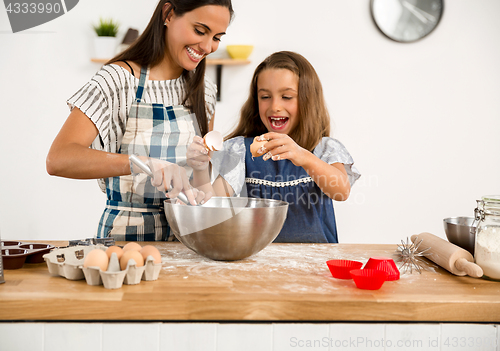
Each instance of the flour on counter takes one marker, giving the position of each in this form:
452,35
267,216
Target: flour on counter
273,258
279,258
287,263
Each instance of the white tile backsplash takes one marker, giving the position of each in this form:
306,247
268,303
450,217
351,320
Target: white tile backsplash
469,337
131,336
497,328
301,336
245,337
72,336
21,336
357,336
410,337
248,336
188,336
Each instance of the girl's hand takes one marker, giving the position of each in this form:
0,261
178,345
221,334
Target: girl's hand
197,155
282,147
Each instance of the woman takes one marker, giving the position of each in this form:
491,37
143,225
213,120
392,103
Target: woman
148,101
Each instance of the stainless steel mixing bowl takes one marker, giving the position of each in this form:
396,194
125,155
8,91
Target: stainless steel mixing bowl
227,228
457,231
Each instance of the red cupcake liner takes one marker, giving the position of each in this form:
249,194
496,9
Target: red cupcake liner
369,279
385,264
341,268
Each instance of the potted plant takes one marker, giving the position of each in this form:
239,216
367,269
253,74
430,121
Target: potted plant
105,43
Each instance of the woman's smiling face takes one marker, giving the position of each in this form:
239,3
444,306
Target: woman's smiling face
277,94
194,35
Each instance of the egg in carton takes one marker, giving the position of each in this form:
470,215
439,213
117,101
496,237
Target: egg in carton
114,277
123,267
67,262
70,263
111,276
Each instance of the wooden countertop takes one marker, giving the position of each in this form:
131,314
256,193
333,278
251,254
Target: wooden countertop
284,282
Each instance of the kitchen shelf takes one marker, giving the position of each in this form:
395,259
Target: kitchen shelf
218,63
227,62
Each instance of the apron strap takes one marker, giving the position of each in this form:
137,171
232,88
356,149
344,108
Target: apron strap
132,207
142,82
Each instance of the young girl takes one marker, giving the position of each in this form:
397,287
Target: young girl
142,102
301,163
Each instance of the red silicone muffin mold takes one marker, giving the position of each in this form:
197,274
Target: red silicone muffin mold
385,264
340,268
369,279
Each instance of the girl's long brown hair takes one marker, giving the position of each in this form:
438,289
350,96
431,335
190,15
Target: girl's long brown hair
149,50
314,120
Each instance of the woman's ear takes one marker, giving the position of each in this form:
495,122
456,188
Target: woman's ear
167,12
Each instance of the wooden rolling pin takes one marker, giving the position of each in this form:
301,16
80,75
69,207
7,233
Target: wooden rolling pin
449,256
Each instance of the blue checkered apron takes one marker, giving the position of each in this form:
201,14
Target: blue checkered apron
134,209
310,217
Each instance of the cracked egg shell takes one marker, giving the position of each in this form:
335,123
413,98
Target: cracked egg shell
254,148
213,141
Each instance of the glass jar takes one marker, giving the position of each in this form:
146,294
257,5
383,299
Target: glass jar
487,249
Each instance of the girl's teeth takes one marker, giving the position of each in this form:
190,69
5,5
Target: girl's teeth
278,122
194,54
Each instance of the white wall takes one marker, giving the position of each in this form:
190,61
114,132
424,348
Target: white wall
421,120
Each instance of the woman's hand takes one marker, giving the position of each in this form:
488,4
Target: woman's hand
172,179
282,147
198,158
197,155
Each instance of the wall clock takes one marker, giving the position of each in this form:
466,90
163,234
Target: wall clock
406,20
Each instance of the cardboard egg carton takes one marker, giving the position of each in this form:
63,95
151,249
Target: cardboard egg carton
68,263
114,278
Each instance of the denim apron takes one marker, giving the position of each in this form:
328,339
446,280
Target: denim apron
134,208
310,217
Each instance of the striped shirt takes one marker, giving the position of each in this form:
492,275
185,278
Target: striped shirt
107,97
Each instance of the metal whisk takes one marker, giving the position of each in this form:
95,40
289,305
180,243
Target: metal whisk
409,254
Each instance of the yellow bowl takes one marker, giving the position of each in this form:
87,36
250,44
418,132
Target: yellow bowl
239,51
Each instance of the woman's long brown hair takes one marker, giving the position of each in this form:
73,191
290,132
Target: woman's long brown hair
149,50
314,120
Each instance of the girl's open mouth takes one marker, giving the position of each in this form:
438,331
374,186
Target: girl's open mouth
278,122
